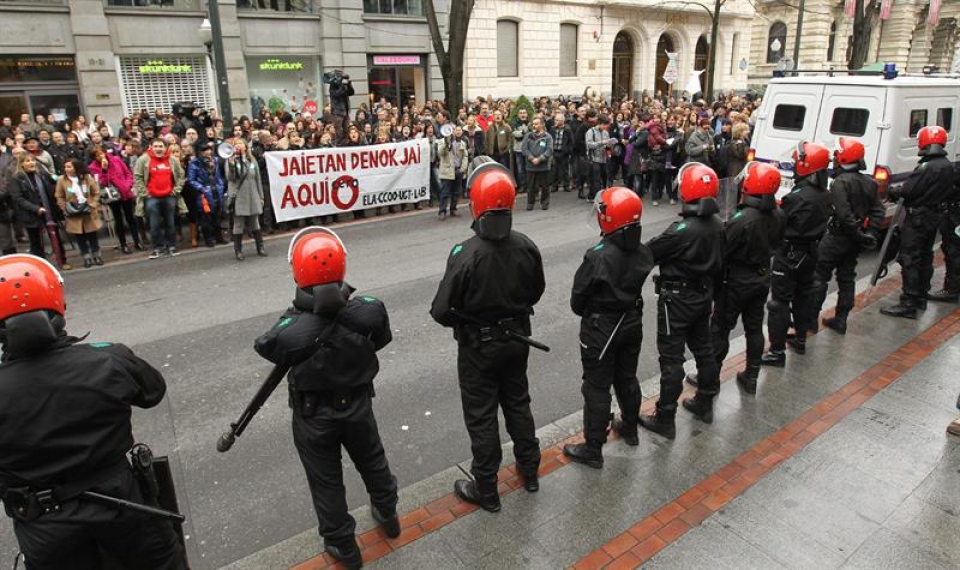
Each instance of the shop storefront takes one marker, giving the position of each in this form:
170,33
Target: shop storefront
398,78
39,85
284,83
158,82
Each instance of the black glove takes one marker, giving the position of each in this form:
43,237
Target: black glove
869,241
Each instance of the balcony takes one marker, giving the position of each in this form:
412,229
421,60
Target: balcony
289,6
32,3
177,5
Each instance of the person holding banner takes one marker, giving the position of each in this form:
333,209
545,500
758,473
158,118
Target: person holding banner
244,198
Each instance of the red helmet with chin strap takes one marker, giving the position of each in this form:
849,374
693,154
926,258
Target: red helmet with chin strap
759,179
848,151
810,158
696,181
317,256
491,187
618,207
27,284
930,136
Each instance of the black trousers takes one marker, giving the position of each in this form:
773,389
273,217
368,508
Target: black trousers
837,254
83,535
123,211
916,255
741,296
36,235
658,179
538,183
617,369
793,292
683,320
560,173
494,375
318,440
950,245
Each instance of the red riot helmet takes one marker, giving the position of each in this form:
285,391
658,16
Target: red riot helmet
616,208
696,181
810,158
849,152
29,283
759,179
491,187
317,256
931,140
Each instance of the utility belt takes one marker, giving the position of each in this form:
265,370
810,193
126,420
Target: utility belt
307,403
28,503
797,249
673,285
952,207
475,335
601,310
743,270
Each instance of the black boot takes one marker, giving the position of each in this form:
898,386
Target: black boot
775,358
238,247
901,310
589,453
837,323
700,406
389,522
748,379
944,296
627,433
97,258
467,491
531,483
258,239
661,422
798,343
87,260
346,554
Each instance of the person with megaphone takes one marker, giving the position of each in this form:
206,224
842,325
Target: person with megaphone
244,201
453,152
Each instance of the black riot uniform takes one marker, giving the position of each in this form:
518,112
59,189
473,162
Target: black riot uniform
690,256
929,187
496,281
853,227
793,288
607,296
753,233
65,428
332,354
950,244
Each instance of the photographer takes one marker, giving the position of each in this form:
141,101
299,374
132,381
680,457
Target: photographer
340,91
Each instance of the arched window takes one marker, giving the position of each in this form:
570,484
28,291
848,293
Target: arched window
832,42
734,50
776,42
508,44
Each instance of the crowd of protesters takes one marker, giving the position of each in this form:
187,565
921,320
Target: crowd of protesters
160,174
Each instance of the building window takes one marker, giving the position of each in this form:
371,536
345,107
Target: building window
734,49
776,42
918,120
173,4
832,42
945,118
568,50
789,117
304,6
508,43
400,7
849,122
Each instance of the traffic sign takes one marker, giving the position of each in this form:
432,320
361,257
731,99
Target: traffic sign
310,107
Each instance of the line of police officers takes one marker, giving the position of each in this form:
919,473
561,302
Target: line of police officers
65,405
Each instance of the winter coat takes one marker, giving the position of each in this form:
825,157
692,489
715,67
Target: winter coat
198,178
695,147
504,139
340,99
538,146
141,175
460,148
476,140
117,175
732,159
89,222
244,190
565,135
520,131
28,201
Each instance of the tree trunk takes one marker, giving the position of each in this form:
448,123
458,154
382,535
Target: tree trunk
451,57
863,23
712,54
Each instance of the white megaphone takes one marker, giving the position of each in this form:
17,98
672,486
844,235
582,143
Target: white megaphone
446,129
225,150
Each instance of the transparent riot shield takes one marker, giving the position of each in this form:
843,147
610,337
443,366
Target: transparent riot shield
728,197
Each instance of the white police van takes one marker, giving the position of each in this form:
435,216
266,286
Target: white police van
883,110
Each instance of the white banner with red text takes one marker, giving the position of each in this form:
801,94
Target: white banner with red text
321,182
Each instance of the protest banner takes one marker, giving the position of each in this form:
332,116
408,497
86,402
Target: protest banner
321,182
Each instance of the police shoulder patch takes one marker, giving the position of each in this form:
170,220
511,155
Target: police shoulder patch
598,247
101,344
681,226
369,299
285,322
456,249
738,214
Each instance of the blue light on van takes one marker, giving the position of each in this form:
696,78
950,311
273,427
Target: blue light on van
889,71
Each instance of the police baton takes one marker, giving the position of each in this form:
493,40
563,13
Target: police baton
881,270
124,504
237,428
511,335
613,334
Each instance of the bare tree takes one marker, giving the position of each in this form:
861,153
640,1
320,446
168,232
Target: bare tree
451,56
864,21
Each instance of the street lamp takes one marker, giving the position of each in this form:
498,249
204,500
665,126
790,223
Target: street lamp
210,35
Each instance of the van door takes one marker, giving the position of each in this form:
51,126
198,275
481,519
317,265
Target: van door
789,115
855,111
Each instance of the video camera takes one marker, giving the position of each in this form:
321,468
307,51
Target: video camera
335,77
184,108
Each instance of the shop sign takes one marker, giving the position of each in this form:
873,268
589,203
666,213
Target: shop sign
280,65
396,60
158,66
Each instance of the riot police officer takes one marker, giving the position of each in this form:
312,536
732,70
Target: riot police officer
330,340
753,233
793,288
607,296
494,278
690,256
924,193
950,245
853,227
66,430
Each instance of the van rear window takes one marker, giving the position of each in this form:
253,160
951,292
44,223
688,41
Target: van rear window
945,118
789,117
850,122
918,120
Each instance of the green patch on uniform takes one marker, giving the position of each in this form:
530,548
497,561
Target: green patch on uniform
795,190
101,344
598,247
738,214
285,322
369,299
681,226
456,249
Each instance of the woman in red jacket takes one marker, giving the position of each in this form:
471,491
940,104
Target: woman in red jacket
111,172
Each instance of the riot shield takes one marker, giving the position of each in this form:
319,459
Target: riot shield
728,197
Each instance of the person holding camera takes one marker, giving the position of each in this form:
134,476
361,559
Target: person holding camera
340,91
244,198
